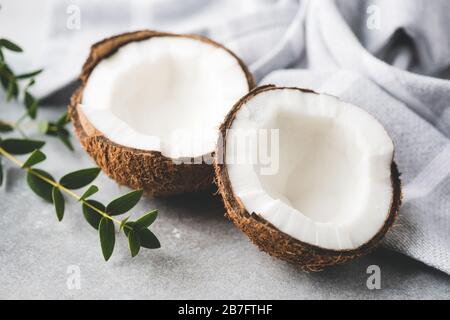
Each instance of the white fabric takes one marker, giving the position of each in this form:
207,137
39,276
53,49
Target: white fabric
389,57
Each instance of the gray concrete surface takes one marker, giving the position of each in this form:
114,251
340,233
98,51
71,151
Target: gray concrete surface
202,256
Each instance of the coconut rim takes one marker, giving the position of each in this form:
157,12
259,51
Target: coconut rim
228,195
118,41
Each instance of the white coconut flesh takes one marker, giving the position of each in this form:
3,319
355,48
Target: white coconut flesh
166,94
333,186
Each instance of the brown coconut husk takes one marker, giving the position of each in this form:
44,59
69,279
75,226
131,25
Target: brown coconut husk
157,174
271,240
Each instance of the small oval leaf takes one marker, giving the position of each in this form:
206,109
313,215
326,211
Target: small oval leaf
29,99
134,243
30,83
21,146
92,216
124,203
80,178
146,220
59,202
127,227
61,134
42,188
64,119
29,74
89,192
107,234
148,239
5,127
43,127
5,43
36,157
31,104
10,90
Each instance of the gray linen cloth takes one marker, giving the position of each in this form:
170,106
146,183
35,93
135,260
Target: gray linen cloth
392,58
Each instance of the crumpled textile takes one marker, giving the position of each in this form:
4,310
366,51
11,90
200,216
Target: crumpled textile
392,58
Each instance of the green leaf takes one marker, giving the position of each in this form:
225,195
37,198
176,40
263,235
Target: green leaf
89,192
64,119
10,45
32,111
146,220
1,171
92,216
58,201
134,243
9,82
6,71
51,129
64,139
127,227
107,234
148,239
2,57
42,188
29,98
15,89
10,90
6,75
4,79
36,157
43,127
31,103
80,178
123,223
29,74
63,131
30,83
5,127
21,146
124,203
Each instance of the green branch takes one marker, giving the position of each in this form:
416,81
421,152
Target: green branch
10,83
96,214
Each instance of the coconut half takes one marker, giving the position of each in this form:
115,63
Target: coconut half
331,189
150,104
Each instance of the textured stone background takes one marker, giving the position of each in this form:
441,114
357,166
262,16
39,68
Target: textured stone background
202,256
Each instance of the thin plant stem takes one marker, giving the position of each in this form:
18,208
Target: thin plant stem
21,119
17,126
59,186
